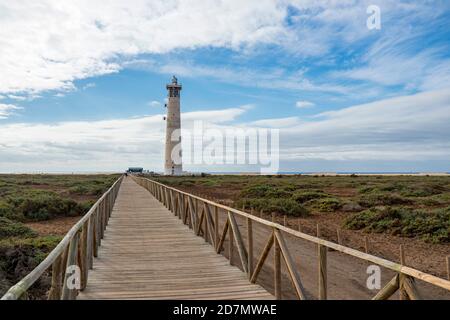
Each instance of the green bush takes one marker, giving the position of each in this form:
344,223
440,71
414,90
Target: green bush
261,191
380,199
304,196
282,206
326,204
431,226
210,183
38,206
5,209
423,190
10,228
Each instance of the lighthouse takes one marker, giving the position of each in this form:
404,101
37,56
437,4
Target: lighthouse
172,163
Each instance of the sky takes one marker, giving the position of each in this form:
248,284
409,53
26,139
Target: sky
82,83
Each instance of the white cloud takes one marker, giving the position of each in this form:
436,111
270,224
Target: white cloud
16,97
275,78
154,103
406,127
60,41
392,130
94,145
304,104
7,109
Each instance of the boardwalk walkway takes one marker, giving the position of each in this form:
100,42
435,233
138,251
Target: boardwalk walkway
147,253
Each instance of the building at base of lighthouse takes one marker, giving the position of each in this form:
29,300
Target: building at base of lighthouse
173,162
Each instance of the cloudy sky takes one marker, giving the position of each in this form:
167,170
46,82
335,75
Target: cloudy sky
82,83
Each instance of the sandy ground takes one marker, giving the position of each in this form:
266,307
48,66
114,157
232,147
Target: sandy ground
57,226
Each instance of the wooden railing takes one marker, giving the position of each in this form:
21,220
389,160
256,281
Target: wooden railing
202,215
78,248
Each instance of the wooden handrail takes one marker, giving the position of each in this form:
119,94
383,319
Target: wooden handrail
406,272
16,291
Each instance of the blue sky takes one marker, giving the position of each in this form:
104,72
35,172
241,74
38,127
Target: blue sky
83,85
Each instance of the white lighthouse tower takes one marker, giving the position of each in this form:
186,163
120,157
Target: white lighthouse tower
173,164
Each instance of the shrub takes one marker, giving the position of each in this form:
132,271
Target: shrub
431,226
5,209
379,199
42,206
326,204
10,228
210,183
423,190
261,191
303,196
282,206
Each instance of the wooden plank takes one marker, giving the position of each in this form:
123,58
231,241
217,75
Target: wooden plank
148,253
439,282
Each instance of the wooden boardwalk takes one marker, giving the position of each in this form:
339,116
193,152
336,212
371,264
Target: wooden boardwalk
148,253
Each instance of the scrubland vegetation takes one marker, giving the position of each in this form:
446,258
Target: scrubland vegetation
406,206
34,198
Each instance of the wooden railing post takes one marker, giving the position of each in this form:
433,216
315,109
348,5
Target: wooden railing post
322,266
89,244
277,269
83,261
230,244
216,225
239,242
55,290
70,293
250,247
293,273
205,208
447,261
403,295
